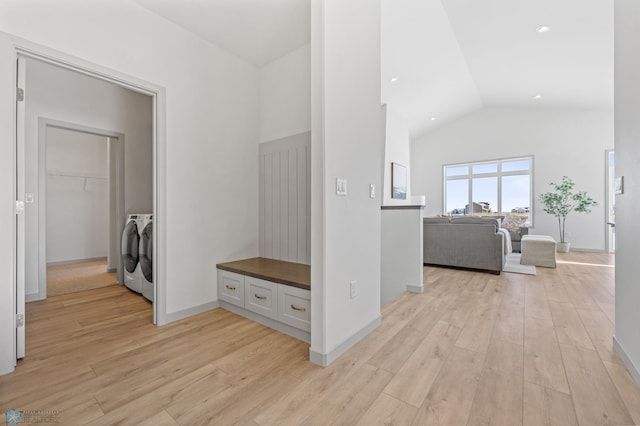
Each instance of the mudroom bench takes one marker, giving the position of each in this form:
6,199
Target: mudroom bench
272,292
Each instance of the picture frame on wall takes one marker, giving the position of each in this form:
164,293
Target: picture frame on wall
398,181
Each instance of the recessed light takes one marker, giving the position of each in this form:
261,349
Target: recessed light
433,119
537,97
394,79
543,29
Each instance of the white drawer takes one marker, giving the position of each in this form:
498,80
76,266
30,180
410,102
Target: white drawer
231,287
294,307
261,296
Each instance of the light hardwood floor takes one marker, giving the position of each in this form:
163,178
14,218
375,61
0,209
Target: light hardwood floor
75,277
473,349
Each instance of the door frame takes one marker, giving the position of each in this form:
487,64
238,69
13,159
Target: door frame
158,94
116,178
19,233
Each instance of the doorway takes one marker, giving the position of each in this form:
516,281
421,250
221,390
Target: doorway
84,105
81,206
74,102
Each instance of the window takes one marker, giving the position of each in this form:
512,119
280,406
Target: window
489,187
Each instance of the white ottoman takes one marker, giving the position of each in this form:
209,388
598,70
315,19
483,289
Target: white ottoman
538,250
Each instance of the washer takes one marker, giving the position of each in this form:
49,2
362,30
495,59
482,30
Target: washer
130,246
145,253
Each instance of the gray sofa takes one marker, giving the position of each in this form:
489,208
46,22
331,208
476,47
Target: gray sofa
465,242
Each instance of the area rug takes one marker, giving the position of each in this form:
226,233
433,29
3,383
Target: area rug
512,264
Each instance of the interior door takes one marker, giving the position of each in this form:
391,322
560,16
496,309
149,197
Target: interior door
20,200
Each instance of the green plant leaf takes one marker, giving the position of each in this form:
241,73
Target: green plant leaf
563,200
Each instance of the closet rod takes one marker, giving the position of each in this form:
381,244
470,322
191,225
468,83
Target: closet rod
76,176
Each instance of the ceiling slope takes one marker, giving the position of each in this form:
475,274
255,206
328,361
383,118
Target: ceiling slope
570,66
419,48
257,31
450,57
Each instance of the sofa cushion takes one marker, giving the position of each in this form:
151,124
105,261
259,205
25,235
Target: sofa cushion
499,218
512,223
436,219
474,220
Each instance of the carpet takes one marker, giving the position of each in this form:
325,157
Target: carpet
72,278
512,264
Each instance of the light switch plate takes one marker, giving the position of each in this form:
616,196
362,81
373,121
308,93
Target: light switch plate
372,191
28,197
341,186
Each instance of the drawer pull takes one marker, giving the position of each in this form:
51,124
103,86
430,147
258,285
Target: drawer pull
298,308
257,296
230,288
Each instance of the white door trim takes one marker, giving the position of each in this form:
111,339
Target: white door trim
158,94
116,212
20,219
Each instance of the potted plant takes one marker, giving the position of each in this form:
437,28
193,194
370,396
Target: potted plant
562,201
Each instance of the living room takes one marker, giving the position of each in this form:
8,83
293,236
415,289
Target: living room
509,85
562,142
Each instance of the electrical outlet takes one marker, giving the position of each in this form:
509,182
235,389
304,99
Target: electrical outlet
372,191
352,289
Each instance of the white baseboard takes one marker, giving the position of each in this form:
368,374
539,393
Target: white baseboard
305,336
324,360
631,367
586,250
175,316
33,297
73,261
415,288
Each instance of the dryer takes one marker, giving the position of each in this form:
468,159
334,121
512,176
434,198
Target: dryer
145,253
129,251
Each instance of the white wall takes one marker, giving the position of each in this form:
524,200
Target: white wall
402,252
77,196
56,93
285,95
401,230
285,124
397,149
627,134
347,142
563,142
211,110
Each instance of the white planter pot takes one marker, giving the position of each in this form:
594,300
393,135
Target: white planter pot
564,247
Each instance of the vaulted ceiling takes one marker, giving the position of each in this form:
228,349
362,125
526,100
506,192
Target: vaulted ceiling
257,31
453,56
446,57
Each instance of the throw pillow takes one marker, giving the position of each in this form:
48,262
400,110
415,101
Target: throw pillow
513,223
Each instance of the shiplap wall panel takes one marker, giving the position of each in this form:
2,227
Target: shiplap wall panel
284,205
293,207
276,204
265,208
304,204
285,201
